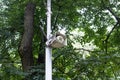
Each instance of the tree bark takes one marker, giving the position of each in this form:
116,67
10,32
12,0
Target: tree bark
25,49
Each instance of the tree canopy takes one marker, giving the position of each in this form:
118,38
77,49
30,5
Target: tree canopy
93,35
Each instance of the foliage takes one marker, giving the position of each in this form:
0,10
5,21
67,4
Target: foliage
93,18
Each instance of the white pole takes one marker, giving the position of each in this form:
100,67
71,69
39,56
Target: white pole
48,55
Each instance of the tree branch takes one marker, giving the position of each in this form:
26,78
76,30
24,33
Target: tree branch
43,32
106,40
110,10
111,32
116,17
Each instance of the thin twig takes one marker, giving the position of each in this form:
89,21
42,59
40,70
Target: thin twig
56,18
55,22
84,49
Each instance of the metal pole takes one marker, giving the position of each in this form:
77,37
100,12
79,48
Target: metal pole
48,55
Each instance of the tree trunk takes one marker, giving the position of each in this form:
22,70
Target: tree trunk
25,49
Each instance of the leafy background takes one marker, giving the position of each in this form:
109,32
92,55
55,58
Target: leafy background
99,22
